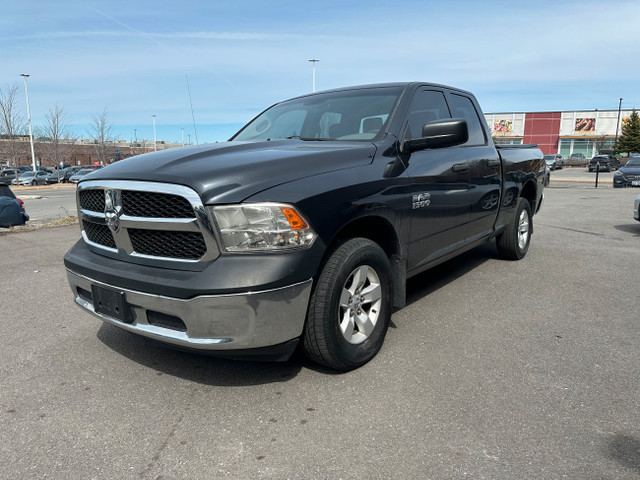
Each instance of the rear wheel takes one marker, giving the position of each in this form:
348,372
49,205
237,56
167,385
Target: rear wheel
350,308
513,244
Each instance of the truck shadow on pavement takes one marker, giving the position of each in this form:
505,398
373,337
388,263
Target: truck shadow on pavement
625,450
434,279
211,370
204,369
634,229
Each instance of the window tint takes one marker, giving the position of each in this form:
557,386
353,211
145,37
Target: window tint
426,106
343,115
462,107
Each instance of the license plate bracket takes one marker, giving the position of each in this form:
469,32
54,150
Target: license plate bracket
111,302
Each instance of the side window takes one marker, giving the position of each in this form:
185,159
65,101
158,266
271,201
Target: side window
426,106
462,107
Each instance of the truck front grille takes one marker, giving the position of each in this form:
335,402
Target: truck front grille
92,200
157,243
145,222
155,205
99,234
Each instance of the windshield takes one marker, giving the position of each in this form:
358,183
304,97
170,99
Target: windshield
633,162
28,174
549,157
347,115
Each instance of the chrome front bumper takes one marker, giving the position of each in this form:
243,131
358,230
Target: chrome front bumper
213,322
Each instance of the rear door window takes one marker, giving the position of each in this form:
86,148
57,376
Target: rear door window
426,106
462,107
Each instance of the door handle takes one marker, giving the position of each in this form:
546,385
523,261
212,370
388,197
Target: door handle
460,167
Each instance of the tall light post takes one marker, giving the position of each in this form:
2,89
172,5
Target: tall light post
182,136
192,116
313,62
155,140
26,93
617,126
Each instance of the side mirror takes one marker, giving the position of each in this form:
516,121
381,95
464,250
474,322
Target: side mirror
440,134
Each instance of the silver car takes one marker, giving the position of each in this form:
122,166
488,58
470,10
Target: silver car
636,208
554,161
78,176
31,178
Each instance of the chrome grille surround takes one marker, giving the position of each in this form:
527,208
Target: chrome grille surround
119,223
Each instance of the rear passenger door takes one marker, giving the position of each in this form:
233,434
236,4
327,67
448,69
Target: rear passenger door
439,185
485,186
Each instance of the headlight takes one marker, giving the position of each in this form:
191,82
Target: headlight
618,174
261,226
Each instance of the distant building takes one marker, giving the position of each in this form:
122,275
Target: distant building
580,131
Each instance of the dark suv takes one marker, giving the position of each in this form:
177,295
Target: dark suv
607,162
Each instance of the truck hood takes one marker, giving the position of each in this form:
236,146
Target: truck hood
230,172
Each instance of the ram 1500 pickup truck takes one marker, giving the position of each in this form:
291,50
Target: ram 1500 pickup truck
303,228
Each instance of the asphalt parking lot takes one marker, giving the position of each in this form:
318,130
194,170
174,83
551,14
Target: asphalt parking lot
495,370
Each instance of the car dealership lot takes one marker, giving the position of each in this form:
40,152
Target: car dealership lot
494,370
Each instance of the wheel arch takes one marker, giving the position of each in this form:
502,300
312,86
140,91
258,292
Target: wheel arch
381,231
530,192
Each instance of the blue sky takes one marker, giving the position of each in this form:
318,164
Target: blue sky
131,57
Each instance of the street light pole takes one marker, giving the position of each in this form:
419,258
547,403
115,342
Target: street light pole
155,140
617,127
26,93
313,62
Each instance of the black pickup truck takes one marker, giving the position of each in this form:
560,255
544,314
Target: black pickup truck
304,227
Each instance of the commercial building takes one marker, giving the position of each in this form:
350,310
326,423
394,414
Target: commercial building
580,131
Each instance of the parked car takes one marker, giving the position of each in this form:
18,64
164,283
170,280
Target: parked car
576,159
304,227
628,175
12,210
67,173
9,173
607,163
31,178
75,178
636,208
54,177
554,161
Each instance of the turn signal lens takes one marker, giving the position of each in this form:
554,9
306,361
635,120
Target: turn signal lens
294,219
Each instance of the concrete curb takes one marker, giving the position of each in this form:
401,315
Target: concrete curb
55,186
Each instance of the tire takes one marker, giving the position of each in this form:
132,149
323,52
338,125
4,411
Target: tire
514,242
34,183
344,330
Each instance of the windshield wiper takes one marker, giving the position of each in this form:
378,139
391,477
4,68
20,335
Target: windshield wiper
308,139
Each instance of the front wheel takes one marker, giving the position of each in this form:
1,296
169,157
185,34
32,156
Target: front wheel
514,241
350,308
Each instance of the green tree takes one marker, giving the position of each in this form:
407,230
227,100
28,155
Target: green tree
629,141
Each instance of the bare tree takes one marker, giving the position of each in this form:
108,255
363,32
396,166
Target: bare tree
100,131
12,126
57,142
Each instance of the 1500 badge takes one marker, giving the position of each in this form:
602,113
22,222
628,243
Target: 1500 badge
421,200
